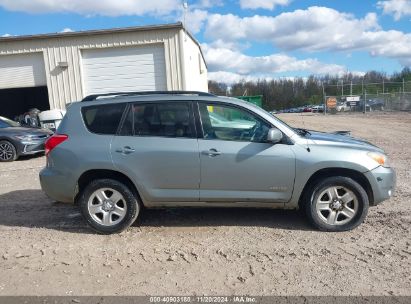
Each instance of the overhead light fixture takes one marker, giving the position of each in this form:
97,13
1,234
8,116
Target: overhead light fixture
63,64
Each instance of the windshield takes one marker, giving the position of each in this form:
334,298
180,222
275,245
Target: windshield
217,117
282,122
279,121
5,122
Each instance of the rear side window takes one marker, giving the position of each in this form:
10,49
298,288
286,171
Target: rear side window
164,119
103,119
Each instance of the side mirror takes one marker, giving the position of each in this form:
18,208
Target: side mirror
274,136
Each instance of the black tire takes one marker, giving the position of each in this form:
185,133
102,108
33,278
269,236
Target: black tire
318,188
130,200
11,151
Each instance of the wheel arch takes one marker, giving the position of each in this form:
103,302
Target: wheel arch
330,172
8,139
94,174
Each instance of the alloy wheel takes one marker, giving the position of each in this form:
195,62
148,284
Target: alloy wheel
6,151
336,205
107,207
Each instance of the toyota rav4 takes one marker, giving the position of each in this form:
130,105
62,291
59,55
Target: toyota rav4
114,154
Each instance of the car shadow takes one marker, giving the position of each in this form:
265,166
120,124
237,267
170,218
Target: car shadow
32,209
24,158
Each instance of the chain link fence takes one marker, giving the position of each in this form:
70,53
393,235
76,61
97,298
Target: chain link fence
396,101
391,96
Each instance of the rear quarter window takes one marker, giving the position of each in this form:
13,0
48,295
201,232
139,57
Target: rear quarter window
103,119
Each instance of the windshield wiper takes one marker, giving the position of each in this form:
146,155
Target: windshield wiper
302,131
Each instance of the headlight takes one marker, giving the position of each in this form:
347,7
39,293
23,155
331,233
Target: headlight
24,137
380,158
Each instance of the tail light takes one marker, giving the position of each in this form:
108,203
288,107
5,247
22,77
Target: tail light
54,141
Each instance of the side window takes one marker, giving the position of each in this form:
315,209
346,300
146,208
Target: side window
103,119
232,123
162,119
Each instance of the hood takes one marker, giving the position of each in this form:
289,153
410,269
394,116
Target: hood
322,138
25,131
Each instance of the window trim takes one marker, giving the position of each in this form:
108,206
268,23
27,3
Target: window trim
142,103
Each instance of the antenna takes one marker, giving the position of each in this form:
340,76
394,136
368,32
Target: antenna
185,10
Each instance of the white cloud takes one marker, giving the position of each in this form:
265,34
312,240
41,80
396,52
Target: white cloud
195,20
223,59
207,3
313,29
105,7
93,7
397,8
230,77
265,4
6,35
66,30
358,73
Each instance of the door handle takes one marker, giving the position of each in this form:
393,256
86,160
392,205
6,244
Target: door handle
126,150
212,152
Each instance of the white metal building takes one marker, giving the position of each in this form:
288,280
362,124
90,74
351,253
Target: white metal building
48,71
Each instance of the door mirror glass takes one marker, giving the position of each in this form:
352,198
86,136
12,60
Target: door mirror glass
274,136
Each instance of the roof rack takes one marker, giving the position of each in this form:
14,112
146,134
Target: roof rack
122,94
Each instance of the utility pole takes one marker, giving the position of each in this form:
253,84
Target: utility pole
403,85
342,87
365,101
362,86
351,88
383,86
325,101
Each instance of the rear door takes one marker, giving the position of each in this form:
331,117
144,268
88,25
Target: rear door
158,148
237,163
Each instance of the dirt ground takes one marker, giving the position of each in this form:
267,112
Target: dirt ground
46,248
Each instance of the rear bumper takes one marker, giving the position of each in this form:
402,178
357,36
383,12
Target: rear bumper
383,183
56,185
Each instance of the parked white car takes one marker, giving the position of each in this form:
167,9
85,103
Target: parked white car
318,109
51,119
343,107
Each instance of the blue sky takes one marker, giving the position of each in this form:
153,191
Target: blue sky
247,39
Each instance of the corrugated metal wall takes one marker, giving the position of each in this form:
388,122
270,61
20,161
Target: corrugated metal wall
66,84
195,69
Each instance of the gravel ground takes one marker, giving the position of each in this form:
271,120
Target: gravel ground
46,248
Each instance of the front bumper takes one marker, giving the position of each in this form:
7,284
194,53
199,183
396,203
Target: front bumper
32,148
383,182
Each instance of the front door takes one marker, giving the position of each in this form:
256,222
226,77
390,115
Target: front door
158,148
237,163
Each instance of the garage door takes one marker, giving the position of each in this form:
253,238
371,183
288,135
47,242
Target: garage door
124,69
22,71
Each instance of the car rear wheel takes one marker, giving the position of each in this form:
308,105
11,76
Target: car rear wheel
109,206
8,152
337,204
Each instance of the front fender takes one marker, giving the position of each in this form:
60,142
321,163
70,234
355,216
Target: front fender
312,160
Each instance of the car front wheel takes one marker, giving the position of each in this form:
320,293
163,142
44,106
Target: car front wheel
337,204
108,206
8,152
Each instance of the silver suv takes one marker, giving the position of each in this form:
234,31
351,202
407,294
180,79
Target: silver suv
114,154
